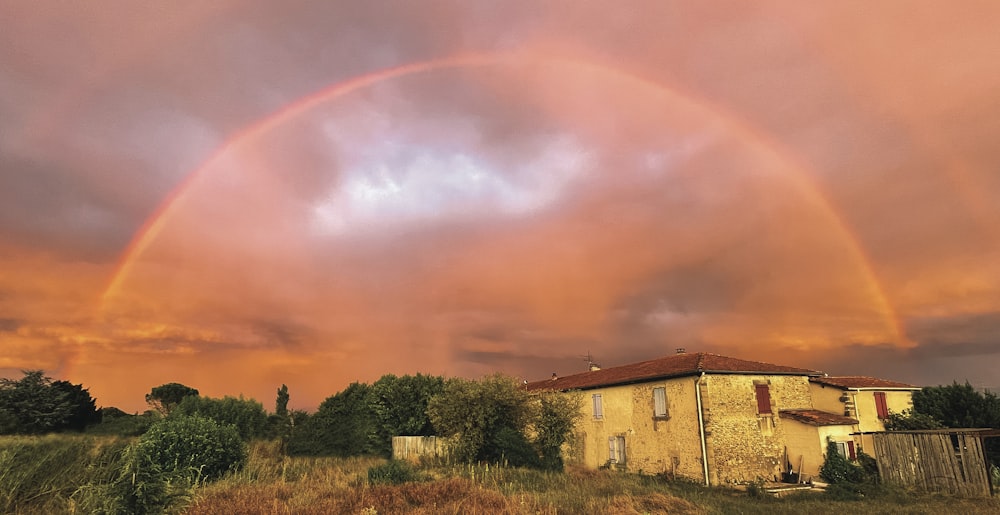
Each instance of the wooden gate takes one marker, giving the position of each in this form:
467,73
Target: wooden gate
934,461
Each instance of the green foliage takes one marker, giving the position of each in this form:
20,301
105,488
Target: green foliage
559,415
958,405
116,422
35,404
190,447
281,402
910,420
83,410
836,469
474,413
344,425
166,397
393,472
246,415
399,407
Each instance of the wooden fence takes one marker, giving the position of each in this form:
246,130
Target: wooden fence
939,461
411,448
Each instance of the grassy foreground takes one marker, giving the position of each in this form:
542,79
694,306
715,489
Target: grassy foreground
72,474
274,484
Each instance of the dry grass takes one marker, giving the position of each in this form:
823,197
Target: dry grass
275,484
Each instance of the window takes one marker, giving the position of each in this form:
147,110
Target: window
880,405
598,407
616,449
763,399
660,402
846,449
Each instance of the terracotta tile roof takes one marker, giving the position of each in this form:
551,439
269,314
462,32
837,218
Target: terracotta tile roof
815,417
847,382
676,365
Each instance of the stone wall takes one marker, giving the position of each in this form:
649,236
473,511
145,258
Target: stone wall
743,445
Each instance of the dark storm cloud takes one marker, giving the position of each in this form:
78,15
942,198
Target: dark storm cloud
9,325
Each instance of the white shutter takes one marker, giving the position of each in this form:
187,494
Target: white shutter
659,402
598,408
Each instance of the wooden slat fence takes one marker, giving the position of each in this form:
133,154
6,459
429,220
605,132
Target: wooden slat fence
933,462
412,448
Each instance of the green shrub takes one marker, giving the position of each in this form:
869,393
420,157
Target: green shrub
246,415
393,472
192,447
836,469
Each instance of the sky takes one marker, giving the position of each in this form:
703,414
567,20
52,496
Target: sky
236,195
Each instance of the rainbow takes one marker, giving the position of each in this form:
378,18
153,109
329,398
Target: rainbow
792,169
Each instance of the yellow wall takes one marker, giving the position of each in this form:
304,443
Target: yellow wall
860,404
652,445
807,445
742,445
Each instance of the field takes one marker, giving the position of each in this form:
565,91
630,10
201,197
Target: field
80,474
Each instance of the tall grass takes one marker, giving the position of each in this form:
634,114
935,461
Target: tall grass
80,474
58,473
275,484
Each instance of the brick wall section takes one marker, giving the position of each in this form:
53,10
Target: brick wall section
743,445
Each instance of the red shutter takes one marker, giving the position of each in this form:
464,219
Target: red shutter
850,451
880,405
763,399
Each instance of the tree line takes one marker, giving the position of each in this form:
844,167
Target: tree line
493,419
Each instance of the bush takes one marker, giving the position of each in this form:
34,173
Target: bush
192,447
836,469
393,472
246,415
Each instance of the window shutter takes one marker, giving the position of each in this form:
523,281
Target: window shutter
611,449
850,451
659,402
880,405
598,408
763,399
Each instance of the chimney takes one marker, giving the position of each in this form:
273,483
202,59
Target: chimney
594,366
554,376
680,350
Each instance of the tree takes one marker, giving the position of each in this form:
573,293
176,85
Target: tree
246,415
83,410
166,397
560,412
399,406
281,402
958,405
32,405
483,416
344,425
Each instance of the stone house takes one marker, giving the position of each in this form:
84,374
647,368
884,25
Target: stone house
712,418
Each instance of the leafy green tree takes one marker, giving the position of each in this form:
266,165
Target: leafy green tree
83,410
166,397
246,415
481,415
281,402
560,412
399,407
31,405
344,425
958,405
